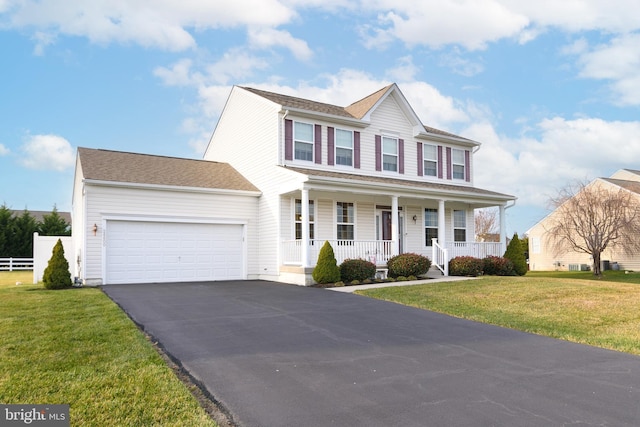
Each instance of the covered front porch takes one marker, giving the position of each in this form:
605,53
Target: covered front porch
378,223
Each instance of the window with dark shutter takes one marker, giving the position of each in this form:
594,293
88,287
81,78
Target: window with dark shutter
356,149
420,162
330,146
288,139
378,153
318,143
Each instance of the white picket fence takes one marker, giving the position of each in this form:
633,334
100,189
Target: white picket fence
14,264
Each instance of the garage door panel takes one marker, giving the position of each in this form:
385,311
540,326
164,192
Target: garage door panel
138,252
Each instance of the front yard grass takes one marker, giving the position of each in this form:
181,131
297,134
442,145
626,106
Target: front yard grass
595,312
77,347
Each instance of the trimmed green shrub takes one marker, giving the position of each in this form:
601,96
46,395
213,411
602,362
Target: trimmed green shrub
357,269
326,270
408,264
465,266
515,252
498,266
56,275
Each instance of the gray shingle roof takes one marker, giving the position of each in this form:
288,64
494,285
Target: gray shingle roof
424,185
118,166
633,186
357,110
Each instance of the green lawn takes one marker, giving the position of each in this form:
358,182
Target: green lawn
77,347
602,313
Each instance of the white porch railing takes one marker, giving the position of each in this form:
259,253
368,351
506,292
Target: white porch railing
475,249
376,251
13,264
439,257
379,251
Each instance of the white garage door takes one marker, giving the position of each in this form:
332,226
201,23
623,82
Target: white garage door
153,252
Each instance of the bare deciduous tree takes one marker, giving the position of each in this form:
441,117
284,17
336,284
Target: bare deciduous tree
591,218
486,224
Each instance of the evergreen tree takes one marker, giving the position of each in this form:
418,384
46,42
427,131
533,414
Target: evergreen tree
327,270
515,253
7,232
57,275
54,225
25,226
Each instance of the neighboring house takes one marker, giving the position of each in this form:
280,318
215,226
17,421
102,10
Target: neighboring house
39,215
541,253
280,176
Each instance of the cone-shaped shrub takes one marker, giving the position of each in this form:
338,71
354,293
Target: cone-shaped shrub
56,275
515,252
327,270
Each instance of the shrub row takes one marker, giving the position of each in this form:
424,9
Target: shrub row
491,265
327,270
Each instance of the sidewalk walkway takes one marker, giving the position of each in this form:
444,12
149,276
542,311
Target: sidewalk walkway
351,289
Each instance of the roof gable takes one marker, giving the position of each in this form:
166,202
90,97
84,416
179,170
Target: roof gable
134,168
360,110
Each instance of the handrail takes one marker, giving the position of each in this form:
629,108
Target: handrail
439,257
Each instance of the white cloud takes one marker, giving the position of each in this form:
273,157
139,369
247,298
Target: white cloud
3,150
617,61
566,150
165,24
260,38
48,152
437,23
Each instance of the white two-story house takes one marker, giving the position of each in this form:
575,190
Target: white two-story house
282,175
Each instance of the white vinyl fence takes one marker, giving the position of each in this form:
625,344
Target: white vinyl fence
14,264
43,249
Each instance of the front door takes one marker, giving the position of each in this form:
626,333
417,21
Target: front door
384,227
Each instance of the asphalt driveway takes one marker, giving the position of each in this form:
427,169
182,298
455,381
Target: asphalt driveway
283,355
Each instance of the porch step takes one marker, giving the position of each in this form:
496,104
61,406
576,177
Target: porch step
434,273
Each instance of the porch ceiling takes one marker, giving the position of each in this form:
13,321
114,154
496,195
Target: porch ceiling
380,185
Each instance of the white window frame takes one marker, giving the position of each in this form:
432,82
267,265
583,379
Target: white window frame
349,148
390,155
457,164
297,218
457,225
426,160
297,140
339,221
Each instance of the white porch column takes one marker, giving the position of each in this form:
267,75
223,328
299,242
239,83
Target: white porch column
441,224
503,228
395,250
304,208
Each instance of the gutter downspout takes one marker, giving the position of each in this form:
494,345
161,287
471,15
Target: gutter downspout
503,225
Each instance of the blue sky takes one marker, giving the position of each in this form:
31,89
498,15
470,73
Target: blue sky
551,89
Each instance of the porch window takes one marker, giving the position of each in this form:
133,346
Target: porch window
430,158
298,219
430,225
344,147
345,221
303,141
459,226
458,164
389,154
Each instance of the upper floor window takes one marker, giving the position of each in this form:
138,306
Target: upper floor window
430,158
389,154
303,141
459,226
345,219
298,219
457,161
344,147
430,225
